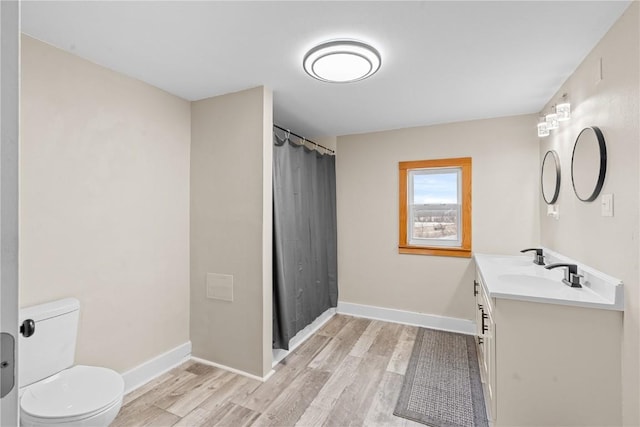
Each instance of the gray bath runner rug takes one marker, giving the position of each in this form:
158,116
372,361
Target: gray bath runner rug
442,386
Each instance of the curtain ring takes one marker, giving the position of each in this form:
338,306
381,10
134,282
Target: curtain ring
287,135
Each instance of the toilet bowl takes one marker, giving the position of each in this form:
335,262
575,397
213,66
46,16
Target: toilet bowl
78,396
53,392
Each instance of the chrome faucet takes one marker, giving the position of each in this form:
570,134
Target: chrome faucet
539,258
571,276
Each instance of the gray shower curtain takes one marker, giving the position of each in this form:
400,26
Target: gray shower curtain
305,280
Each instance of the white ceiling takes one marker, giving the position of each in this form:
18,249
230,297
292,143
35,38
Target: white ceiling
442,61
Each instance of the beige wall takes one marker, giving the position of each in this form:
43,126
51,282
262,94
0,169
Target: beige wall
608,244
230,193
505,206
104,205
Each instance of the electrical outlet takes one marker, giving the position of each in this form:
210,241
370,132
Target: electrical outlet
553,211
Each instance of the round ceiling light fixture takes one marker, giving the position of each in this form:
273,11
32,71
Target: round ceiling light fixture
342,61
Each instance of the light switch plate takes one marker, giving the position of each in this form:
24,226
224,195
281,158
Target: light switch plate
606,204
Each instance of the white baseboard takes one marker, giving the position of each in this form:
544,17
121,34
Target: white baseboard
155,367
303,335
234,370
430,321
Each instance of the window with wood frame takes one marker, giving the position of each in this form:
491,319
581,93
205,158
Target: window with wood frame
435,207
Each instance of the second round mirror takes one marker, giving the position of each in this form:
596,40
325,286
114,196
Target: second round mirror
588,164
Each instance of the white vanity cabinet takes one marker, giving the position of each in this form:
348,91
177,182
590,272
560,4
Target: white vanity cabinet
485,331
547,363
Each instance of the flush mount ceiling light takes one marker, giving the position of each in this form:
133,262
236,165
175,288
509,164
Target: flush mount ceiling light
342,61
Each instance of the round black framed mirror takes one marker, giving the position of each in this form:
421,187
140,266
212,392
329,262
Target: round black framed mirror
550,177
588,164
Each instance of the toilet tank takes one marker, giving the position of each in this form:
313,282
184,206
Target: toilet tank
52,346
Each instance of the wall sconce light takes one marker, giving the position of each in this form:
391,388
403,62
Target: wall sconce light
562,113
543,130
563,110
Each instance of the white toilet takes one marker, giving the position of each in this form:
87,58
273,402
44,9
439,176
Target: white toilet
53,392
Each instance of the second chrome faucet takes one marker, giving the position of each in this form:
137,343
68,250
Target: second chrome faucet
571,276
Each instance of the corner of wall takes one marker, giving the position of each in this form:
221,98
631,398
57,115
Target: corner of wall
231,228
267,231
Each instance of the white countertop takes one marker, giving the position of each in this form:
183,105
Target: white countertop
517,277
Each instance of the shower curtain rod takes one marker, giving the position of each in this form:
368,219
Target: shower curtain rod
304,139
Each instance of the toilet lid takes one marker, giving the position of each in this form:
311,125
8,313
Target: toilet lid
80,390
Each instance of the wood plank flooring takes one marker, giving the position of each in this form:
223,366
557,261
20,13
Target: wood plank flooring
349,373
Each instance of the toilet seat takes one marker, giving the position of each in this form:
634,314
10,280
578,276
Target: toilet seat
76,393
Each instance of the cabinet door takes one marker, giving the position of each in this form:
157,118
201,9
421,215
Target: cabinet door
478,304
489,360
480,339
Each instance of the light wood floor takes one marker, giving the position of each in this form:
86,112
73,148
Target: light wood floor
349,373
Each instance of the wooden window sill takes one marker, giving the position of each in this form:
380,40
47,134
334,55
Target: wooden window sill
421,250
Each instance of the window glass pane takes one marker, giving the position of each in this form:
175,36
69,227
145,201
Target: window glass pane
434,207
